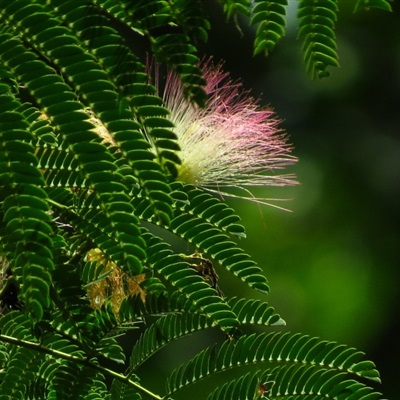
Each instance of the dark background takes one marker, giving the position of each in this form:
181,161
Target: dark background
333,263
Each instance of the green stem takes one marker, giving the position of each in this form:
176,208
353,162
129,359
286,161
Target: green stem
70,357
59,205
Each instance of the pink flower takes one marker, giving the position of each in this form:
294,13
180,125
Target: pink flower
232,142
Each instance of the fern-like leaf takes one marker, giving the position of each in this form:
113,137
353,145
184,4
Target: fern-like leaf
80,379
269,16
368,4
317,25
163,331
255,312
22,364
217,245
121,391
136,99
301,353
233,8
250,386
178,272
210,209
173,48
316,383
133,307
93,159
191,17
27,235
173,326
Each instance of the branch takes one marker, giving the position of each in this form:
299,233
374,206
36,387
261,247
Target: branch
85,362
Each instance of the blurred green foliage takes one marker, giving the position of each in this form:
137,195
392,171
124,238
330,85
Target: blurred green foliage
333,262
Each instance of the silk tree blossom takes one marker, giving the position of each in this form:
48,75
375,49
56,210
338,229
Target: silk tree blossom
230,143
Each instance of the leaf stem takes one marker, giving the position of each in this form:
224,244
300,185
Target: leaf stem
59,205
70,357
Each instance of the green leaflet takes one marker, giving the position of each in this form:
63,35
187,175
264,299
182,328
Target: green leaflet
175,49
95,172
209,239
368,4
120,391
235,7
317,24
22,364
80,381
177,271
25,211
206,222
249,386
125,70
269,16
192,17
289,362
166,329
254,312
90,80
182,322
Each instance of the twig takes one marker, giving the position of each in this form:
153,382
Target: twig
69,357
